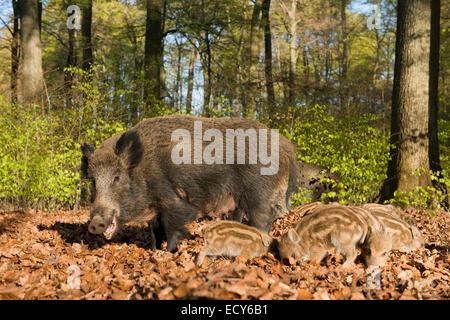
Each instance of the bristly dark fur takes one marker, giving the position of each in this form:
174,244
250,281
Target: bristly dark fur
87,151
179,193
130,140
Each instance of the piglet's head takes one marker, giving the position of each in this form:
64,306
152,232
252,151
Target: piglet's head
290,247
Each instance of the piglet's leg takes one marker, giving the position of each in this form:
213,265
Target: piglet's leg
317,254
350,254
205,251
201,256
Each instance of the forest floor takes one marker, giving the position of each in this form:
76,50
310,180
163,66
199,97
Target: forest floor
44,254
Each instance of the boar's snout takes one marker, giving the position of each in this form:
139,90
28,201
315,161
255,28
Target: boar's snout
97,225
105,224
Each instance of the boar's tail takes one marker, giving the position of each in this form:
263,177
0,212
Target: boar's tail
294,181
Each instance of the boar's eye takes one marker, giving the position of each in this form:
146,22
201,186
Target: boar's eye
116,179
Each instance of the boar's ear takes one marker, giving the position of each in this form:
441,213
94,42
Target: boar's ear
293,236
129,148
87,151
267,240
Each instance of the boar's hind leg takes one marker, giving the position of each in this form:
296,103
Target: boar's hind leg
174,217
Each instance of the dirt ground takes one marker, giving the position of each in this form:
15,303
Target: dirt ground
49,255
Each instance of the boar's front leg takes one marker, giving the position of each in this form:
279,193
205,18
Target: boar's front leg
260,216
238,215
174,216
156,234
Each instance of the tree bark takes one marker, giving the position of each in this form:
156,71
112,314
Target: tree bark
32,74
71,62
190,88
178,83
268,57
153,53
433,108
15,49
239,90
292,33
409,121
252,60
344,57
206,61
86,26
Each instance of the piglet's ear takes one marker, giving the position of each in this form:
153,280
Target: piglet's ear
87,151
293,236
129,148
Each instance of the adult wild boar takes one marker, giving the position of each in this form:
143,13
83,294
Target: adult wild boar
149,171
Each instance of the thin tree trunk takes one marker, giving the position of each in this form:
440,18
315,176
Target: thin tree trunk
134,110
68,77
178,82
433,107
239,92
71,62
252,60
207,77
86,26
292,32
15,49
373,99
32,74
153,54
409,121
305,76
344,58
190,88
268,57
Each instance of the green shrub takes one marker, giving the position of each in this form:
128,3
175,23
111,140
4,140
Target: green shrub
40,156
36,166
349,145
431,197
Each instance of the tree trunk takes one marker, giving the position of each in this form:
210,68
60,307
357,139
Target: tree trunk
190,88
409,121
32,74
268,57
239,91
305,80
71,62
292,32
207,77
433,108
68,77
252,60
86,26
153,54
15,51
178,83
344,57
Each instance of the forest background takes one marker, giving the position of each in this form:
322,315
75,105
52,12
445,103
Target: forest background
322,72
